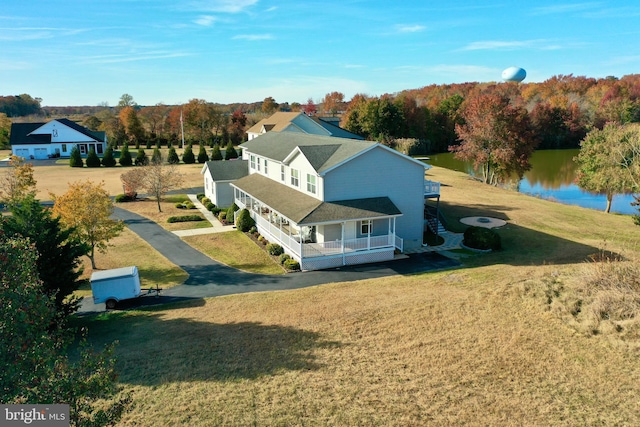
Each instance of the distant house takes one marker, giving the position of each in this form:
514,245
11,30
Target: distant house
218,176
54,139
299,123
332,201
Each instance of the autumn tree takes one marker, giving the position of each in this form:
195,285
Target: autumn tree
17,182
5,129
609,161
309,108
237,126
159,179
269,105
126,100
86,208
34,347
133,182
496,137
333,102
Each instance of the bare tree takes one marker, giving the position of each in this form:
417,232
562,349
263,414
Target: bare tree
159,179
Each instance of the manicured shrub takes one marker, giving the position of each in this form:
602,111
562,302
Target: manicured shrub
230,211
125,156
172,157
244,221
180,205
253,230
230,152
200,196
123,198
156,158
222,215
189,205
215,153
75,161
141,158
187,156
202,154
205,200
185,218
283,258
93,161
210,206
274,249
215,210
482,238
107,160
291,264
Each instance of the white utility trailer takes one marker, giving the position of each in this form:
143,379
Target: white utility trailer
112,286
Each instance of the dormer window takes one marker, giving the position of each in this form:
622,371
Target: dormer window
252,163
311,183
295,177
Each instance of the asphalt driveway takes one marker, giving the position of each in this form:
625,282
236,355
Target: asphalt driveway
208,278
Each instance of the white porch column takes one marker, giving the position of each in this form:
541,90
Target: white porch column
344,257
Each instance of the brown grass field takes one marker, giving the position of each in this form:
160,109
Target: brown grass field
520,337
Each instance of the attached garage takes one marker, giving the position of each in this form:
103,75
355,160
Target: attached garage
40,153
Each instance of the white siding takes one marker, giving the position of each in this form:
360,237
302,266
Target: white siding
300,163
61,133
379,173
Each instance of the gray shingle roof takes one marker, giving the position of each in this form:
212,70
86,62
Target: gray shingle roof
227,170
336,131
20,132
326,152
306,210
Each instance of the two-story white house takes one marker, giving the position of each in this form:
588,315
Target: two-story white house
54,139
298,122
333,201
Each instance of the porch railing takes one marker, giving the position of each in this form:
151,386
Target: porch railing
431,187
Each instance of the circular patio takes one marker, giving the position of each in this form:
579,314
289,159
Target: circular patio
483,221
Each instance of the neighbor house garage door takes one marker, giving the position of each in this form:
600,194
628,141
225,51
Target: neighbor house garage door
41,153
22,152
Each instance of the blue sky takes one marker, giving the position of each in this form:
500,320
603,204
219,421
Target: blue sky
87,52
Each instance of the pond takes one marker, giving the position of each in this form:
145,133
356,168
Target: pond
551,177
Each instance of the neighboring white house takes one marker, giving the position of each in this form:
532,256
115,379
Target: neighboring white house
217,177
333,201
299,123
54,139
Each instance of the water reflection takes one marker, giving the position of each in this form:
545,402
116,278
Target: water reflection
551,177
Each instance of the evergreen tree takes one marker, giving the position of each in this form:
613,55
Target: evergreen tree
230,152
107,160
125,156
141,158
93,161
173,158
202,154
157,156
188,157
58,263
216,154
76,159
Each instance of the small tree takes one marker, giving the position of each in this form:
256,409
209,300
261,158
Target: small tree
132,182
125,156
187,156
202,154
230,152
93,161
215,153
157,156
17,182
141,158
244,222
172,157
107,160
75,161
160,179
86,208
230,212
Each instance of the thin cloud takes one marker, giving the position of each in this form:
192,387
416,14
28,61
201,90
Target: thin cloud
565,8
114,59
410,28
506,45
222,6
206,20
253,37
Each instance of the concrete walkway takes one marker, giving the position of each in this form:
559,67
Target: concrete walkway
451,241
216,226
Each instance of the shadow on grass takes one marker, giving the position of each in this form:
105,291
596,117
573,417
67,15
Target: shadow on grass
520,245
153,351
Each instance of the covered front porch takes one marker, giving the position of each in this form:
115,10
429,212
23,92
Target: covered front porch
330,234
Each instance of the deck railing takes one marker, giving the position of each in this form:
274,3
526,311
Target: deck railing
431,187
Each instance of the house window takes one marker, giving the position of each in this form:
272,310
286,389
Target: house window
64,148
295,177
282,176
311,183
253,162
258,164
99,148
365,227
265,167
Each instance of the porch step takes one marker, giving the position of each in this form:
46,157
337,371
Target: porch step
435,225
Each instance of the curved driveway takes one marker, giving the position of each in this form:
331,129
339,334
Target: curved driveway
208,278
